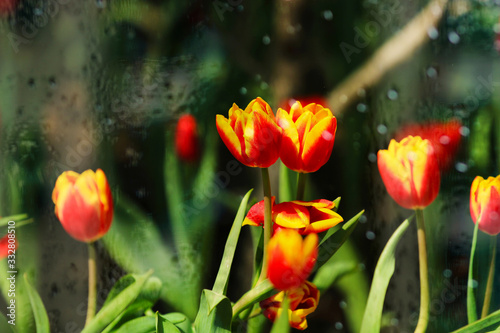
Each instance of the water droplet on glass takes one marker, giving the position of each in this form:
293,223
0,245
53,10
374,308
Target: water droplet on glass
444,139
447,273
461,167
328,15
382,129
431,72
464,131
392,94
363,219
37,11
361,92
361,107
240,8
472,284
370,235
372,157
342,304
432,33
338,325
243,90
266,40
453,37
264,86
100,3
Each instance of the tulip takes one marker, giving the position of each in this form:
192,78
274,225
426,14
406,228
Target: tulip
485,204
5,245
286,105
7,6
83,204
303,301
444,136
251,135
410,172
290,258
187,141
308,136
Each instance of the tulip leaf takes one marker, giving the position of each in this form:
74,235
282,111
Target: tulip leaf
281,325
163,325
18,218
4,325
41,318
179,320
260,292
220,284
334,239
383,274
117,305
337,204
138,325
214,317
478,326
331,271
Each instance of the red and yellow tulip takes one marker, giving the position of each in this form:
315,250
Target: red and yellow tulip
410,172
290,258
308,136
251,135
303,301
187,141
485,204
83,204
5,245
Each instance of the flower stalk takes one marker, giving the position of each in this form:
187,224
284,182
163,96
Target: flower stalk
491,275
471,301
423,317
266,182
301,186
92,299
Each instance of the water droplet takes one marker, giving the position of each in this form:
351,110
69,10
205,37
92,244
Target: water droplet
431,72
370,235
493,216
453,37
464,131
361,107
343,304
243,90
432,33
328,15
37,11
266,40
343,99
392,94
372,157
461,167
363,219
339,326
361,92
473,284
382,129
264,86
394,321
240,8
444,139
100,3
447,273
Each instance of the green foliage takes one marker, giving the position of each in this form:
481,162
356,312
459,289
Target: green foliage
41,318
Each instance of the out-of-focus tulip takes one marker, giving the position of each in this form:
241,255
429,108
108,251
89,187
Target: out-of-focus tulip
83,204
444,136
303,301
410,172
290,258
308,136
485,204
187,141
5,245
7,6
251,135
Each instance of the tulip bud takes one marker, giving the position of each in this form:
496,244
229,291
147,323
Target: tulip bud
303,301
410,172
485,204
83,204
290,258
5,245
251,135
187,141
308,136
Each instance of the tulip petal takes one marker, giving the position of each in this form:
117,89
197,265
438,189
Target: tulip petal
318,144
290,145
229,137
290,215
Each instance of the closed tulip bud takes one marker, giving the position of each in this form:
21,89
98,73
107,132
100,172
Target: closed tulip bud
83,204
6,245
410,172
290,258
308,136
303,301
187,141
485,204
251,135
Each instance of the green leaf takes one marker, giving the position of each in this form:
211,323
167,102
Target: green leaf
337,204
477,326
216,319
18,218
163,325
138,325
331,271
117,305
180,321
41,318
383,274
281,325
220,284
334,239
4,325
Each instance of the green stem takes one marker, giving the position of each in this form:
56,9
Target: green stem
491,275
471,301
266,182
301,186
261,291
423,317
92,284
